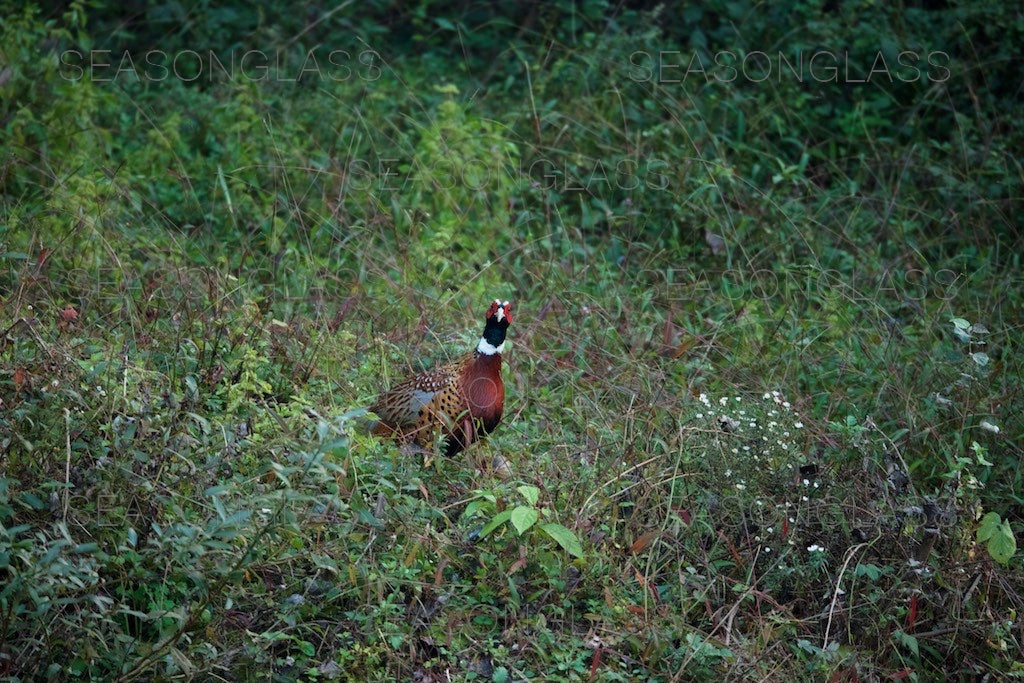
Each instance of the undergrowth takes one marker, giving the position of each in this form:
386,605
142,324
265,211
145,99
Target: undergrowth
763,397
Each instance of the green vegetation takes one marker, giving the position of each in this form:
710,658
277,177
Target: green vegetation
764,402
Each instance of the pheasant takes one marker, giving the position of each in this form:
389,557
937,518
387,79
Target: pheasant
461,400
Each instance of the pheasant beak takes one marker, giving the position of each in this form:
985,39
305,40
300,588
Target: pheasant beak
500,311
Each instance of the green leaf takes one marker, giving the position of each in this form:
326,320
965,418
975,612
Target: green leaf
989,526
960,323
565,538
1003,544
871,571
530,493
979,454
498,520
980,358
476,506
997,535
523,518
908,641
32,500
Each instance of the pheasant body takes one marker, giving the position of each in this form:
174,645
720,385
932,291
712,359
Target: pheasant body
462,400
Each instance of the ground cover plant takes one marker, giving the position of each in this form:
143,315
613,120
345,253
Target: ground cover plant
763,402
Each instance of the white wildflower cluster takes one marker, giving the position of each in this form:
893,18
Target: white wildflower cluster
773,442
761,444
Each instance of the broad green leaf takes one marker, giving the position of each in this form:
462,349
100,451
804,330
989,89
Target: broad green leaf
523,518
960,323
475,506
498,520
530,493
989,526
565,538
980,357
1002,545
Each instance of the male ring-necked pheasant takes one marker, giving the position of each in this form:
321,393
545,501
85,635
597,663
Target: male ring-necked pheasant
463,399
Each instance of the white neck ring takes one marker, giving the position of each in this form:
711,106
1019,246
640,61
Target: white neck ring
488,349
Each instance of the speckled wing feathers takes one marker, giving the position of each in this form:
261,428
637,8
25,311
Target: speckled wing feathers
415,408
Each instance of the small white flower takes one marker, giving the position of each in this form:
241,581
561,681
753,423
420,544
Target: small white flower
741,487
815,548
807,482
804,498
798,424
728,473
722,401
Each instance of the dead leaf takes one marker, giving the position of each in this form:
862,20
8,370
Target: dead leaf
644,541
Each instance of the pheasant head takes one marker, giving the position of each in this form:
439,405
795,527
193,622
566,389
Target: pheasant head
499,317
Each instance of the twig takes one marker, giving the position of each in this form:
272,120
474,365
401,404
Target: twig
974,584
67,463
835,591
